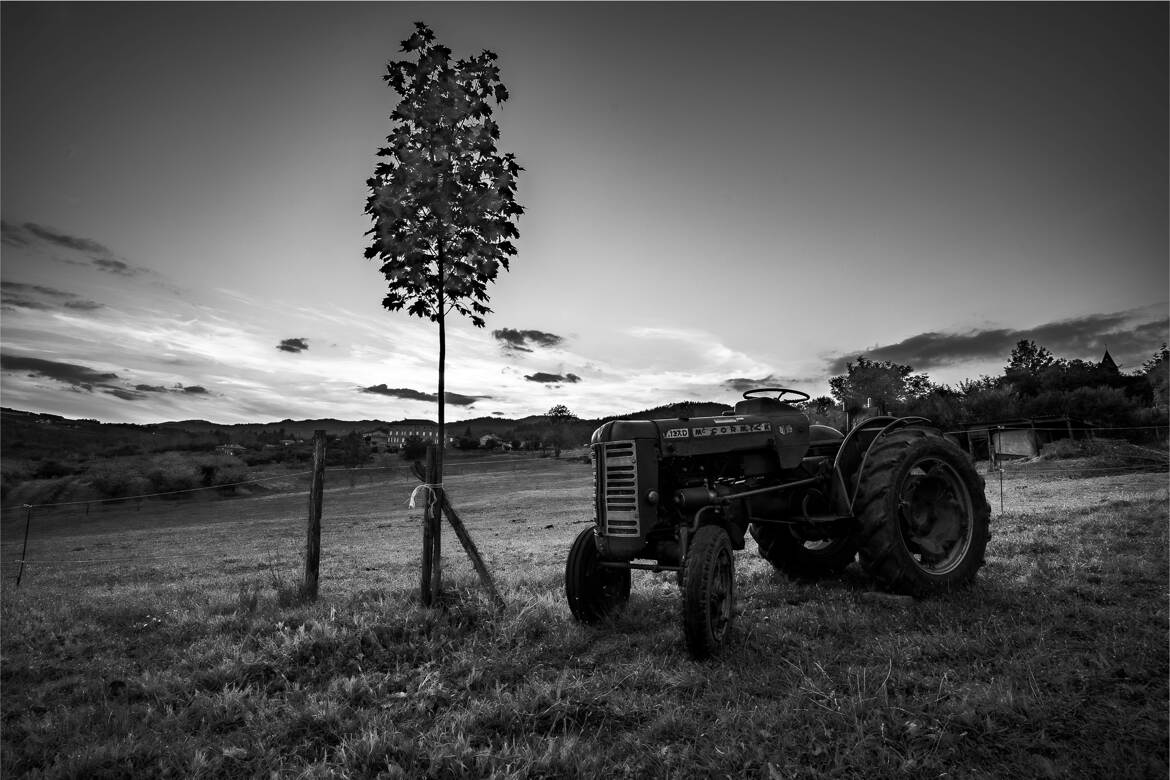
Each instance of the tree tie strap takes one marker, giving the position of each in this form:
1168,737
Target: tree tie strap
433,489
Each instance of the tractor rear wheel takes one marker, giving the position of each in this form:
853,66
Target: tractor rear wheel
801,558
924,519
708,591
594,591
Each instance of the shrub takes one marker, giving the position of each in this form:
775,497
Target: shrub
12,476
52,469
118,479
171,471
217,470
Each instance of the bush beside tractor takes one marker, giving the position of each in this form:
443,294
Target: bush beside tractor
683,494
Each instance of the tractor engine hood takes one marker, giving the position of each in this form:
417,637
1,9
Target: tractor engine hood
783,429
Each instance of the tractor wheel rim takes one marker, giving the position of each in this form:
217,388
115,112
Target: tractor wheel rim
935,516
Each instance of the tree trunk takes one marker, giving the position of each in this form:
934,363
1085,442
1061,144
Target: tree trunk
442,360
436,516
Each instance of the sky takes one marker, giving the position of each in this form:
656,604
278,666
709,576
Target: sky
717,196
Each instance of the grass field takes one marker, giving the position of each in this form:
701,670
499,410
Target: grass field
166,641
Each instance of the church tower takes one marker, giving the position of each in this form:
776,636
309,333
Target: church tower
1107,363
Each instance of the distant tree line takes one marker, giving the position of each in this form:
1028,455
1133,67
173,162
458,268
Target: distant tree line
1034,383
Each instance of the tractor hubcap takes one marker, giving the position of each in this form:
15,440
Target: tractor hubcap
935,513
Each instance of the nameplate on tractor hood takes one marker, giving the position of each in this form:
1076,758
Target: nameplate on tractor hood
731,429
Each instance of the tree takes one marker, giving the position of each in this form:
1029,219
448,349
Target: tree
1156,371
560,419
885,385
1028,366
353,450
824,411
1029,358
414,448
467,441
442,198
820,405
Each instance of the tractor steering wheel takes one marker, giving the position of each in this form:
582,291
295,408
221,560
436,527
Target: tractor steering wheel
779,391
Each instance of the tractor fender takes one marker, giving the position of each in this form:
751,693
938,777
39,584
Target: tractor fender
851,458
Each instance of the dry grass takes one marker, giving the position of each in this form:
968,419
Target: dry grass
190,656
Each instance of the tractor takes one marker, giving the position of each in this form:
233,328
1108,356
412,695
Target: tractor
681,495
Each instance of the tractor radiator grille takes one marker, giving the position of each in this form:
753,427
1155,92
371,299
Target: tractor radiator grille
616,479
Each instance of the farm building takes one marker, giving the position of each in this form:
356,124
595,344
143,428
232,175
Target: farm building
998,440
398,433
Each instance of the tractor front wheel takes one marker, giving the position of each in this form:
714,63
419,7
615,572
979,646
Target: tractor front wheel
924,519
708,592
594,591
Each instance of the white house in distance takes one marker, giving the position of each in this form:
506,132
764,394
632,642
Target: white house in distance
391,437
490,440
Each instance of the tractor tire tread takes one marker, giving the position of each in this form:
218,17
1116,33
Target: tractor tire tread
882,552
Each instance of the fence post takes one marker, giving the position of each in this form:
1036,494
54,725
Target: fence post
24,547
313,536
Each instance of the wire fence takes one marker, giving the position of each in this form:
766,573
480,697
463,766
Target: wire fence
179,526
198,524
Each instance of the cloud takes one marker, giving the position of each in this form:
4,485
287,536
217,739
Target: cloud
741,384
293,345
114,266
100,256
12,235
79,377
455,399
68,242
519,340
17,287
125,394
72,374
83,305
1125,334
16,295
399,392
541,376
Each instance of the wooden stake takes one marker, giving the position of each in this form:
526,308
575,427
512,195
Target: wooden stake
432,582
313,536
472,552
464,537
425,596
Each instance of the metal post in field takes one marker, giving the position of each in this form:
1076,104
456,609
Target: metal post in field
313,535
24,547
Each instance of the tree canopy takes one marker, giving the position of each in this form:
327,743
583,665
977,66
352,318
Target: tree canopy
442,197
1035,383
883,384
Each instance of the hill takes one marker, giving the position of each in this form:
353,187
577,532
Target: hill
37,436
